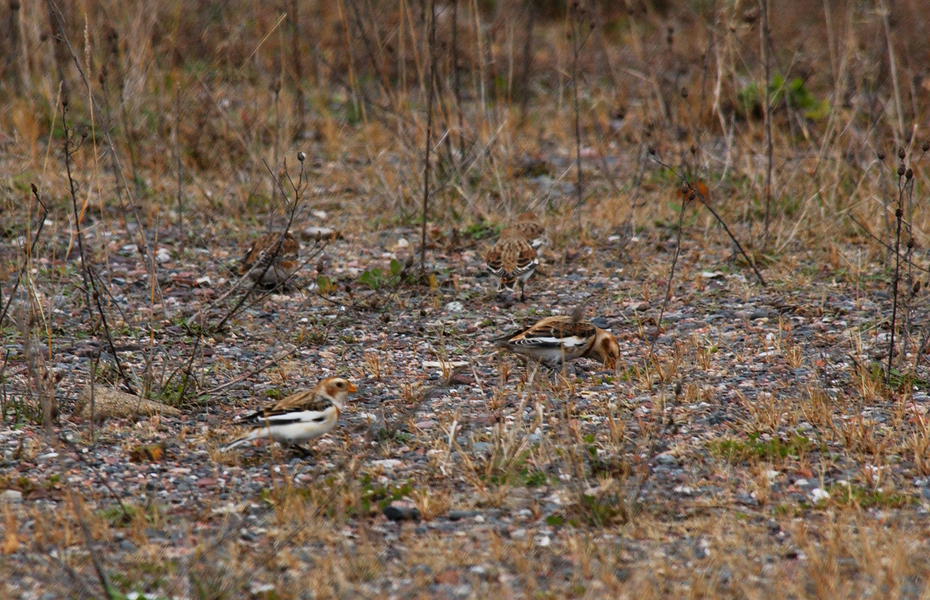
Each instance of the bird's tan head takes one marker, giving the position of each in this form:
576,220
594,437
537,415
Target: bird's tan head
606,348
337,388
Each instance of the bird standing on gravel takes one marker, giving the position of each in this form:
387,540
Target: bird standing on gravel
557,340
300,417
513,260
280,259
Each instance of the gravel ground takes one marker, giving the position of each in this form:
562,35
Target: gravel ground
457,472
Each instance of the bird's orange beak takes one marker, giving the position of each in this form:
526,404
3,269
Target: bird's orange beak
352,388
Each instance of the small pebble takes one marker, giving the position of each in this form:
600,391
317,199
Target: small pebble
401,513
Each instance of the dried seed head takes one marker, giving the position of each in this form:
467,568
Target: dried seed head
901,170
693,149
301,156
692,195
899,213
926,146
684,188
901,153
881,155
652,151
910,243
909,173
35,190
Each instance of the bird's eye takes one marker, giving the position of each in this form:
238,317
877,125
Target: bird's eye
339,384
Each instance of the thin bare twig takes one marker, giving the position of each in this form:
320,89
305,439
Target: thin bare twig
177,151
89,542
272,361
579,39
269,262
699,196
91,283
671,275
32,248
429,132
766,50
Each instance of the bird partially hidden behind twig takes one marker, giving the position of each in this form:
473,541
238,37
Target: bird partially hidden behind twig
300,417
281,259
557,340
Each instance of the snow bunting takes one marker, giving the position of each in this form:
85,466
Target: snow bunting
300,417
281,261
531,229
513,260
556,340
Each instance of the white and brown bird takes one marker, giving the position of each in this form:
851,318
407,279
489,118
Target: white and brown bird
528,225
300,417
513,260
557,340
279,255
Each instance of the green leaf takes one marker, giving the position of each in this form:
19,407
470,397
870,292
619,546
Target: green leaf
555,520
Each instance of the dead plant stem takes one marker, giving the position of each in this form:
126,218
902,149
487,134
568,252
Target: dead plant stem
767,107
429,132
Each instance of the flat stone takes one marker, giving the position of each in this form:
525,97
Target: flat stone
458,515
401,513
481,448
667,459
11,496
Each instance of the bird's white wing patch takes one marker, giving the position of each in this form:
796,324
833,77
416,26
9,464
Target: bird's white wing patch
567,342
304,416
529,267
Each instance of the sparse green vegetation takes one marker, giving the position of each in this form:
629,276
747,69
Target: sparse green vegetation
757,449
